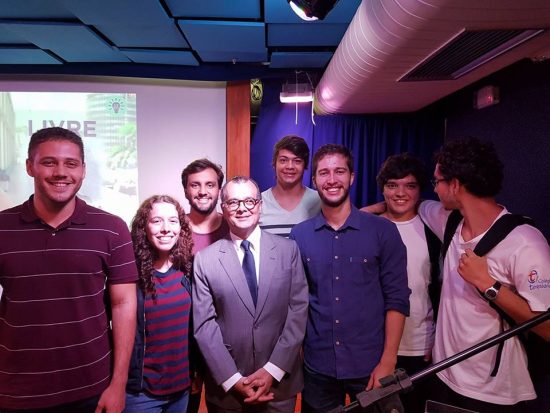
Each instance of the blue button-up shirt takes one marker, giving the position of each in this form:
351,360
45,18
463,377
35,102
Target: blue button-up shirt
355,275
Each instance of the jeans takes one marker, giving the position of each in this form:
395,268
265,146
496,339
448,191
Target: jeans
147,403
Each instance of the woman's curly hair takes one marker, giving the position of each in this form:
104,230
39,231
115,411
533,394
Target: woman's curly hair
181,254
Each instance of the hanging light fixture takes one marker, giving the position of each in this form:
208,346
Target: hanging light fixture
296,92
312,9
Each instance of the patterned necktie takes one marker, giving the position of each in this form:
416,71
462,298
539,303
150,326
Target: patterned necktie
249,269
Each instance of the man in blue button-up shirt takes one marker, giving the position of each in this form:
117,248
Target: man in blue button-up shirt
356,269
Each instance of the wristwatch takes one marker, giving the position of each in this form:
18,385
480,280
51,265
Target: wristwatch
491,293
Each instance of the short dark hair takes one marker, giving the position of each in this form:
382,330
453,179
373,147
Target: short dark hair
54,134
473,163
239,179
200,165
399,166
331,149
294,144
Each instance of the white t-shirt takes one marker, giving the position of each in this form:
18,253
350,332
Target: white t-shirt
521,262
277,220
419,332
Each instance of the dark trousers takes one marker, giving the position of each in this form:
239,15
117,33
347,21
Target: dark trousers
440,392
282,406
323,393
414,401
194,402
80,406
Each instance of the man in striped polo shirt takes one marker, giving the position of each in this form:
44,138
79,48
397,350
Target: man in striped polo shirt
67,270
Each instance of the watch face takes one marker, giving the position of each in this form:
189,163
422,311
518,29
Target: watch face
491,293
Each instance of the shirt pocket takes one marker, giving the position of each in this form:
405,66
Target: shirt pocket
359,270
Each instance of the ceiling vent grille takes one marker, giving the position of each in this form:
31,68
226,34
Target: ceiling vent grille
467,51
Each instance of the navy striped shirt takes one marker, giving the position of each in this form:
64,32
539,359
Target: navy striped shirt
166,359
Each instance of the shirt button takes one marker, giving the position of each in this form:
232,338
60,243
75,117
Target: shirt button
364,260
307,259
337,343
336,257
53,234
337,321
336,237
337,278
337,298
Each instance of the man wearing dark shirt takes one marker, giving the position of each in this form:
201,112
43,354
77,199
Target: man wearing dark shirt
61,348
356,269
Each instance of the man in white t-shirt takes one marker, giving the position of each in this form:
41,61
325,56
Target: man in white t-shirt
401,178
289,202
514,276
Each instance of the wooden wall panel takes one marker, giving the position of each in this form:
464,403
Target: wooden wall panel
238,128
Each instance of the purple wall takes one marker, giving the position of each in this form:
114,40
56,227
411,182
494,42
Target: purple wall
519,126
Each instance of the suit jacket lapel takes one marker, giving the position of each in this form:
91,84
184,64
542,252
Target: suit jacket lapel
268,258
234,271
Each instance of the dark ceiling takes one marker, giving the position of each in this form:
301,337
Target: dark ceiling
178,39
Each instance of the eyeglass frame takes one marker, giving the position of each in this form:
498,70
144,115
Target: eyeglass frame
436,181
238,203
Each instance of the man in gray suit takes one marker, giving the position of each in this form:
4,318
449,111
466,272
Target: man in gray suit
250,304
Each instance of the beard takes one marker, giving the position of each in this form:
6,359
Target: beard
204,209
333,203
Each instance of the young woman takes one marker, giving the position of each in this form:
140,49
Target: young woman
159,376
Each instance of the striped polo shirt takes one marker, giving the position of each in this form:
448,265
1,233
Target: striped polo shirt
166,359
54,328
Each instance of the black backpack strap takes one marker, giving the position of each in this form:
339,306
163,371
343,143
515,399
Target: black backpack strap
434,248
498,231
450,228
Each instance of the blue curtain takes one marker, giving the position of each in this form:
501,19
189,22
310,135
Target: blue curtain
276,120
371,139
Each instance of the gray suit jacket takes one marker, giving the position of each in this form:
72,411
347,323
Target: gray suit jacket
232,335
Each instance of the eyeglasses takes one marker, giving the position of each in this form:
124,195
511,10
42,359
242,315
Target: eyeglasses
436,181
233,204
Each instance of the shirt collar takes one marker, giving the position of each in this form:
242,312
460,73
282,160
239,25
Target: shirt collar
353,220
78,216
254,239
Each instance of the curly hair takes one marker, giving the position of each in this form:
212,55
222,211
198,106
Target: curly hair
181,254
473,163
398,167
